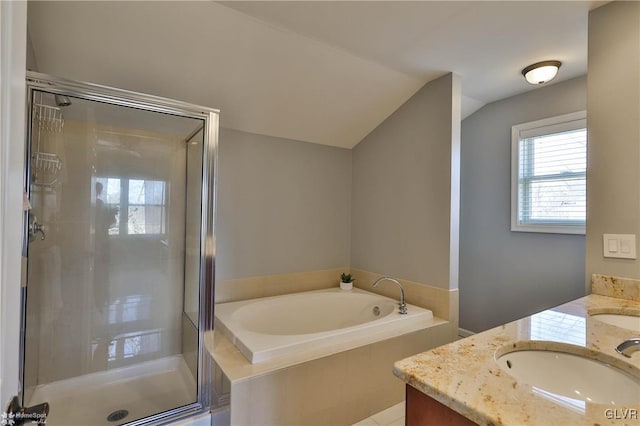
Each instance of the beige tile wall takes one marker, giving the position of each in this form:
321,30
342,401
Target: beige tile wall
338,389
193,220
274,285
443,303
190,344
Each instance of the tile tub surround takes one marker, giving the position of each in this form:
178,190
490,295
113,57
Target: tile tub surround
443,303
339,385
268,328
465,377
274,285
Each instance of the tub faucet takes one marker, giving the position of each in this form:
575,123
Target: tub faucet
402,307
628,347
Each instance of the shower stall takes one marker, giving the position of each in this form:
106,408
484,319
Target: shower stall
118,255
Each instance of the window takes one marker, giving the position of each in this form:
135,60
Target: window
142,200
146,210
548,175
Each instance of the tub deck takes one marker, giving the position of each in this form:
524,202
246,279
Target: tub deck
340,384
274,327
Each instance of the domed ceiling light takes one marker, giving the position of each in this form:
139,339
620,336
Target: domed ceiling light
541,72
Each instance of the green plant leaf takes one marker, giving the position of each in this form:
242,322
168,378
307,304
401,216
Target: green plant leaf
346,278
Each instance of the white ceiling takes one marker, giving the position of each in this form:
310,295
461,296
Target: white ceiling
323,72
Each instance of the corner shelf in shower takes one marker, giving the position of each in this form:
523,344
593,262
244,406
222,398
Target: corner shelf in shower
45,165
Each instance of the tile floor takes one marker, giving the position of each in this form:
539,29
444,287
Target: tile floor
392,416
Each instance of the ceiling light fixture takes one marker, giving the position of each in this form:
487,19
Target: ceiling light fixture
541,72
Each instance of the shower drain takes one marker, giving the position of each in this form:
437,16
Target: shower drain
117,415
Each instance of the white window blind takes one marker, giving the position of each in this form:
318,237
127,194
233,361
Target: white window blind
549,160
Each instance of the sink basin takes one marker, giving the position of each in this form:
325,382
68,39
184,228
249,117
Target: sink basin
572,376
630,322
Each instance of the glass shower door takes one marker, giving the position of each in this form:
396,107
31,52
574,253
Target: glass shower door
106,336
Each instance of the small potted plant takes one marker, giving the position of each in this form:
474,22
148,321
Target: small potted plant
346,281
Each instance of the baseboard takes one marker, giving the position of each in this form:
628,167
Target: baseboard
465,333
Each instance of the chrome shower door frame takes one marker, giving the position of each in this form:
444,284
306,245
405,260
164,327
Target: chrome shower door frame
210,118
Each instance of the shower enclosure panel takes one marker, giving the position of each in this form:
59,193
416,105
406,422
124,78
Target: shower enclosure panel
119,248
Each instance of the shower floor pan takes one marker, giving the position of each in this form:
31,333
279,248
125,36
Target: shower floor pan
140,390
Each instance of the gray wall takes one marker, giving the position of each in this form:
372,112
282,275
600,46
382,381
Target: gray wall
32,64
402,189
613,180
506,275
283,206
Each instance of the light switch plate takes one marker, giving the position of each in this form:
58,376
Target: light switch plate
621,246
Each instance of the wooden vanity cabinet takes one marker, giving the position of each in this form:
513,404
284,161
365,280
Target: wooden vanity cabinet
422,410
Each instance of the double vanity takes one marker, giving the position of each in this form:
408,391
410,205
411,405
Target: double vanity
556,367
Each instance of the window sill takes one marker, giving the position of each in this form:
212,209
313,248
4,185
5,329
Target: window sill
549,229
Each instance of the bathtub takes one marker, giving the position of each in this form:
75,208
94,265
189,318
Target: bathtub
274,327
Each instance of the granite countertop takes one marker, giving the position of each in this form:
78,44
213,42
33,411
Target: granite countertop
465,377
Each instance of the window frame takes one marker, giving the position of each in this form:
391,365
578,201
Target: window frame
124,204
163,207
557,124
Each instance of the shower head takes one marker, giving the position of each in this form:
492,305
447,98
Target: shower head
62,100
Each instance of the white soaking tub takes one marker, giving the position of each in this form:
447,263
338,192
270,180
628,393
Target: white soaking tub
273,327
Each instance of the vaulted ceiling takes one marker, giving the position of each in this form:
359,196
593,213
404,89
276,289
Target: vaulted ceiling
325,72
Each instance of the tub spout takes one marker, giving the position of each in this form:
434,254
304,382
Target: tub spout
628,347
402,307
